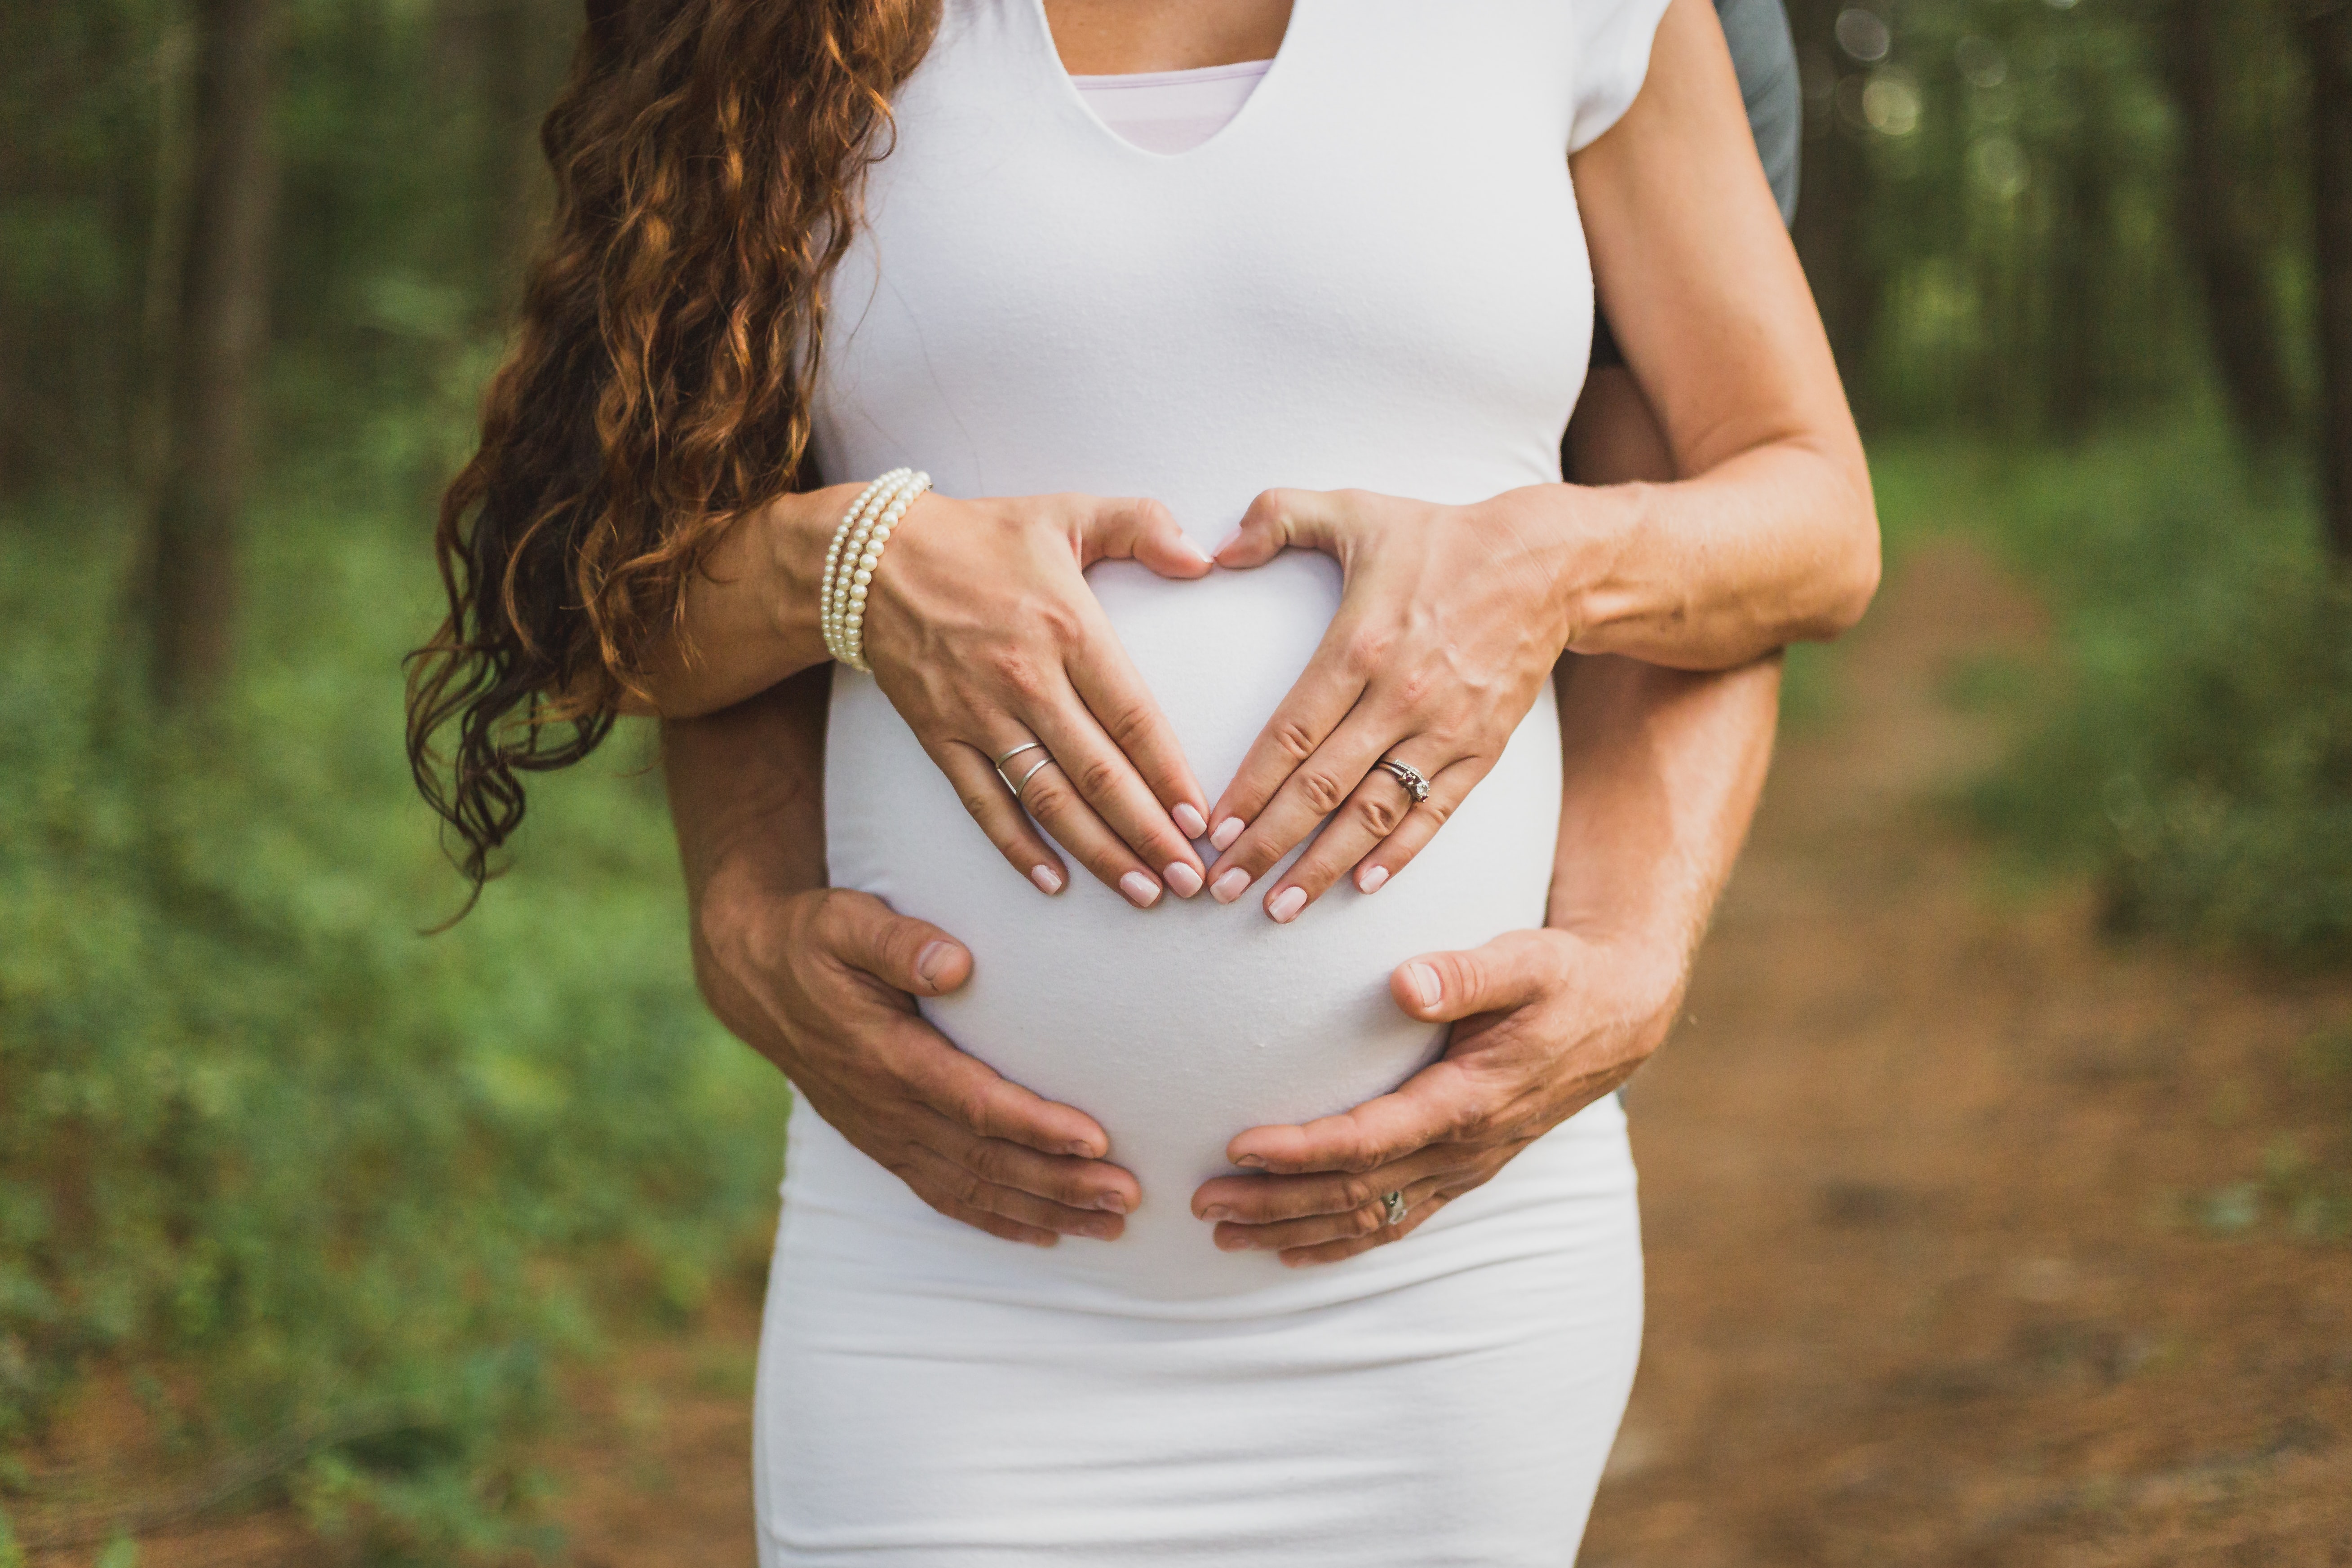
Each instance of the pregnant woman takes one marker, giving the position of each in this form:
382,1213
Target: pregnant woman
1239,437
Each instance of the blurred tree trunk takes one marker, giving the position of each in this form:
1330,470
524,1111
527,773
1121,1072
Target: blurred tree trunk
2212,220
222,300
2327,41
496,65
1832,209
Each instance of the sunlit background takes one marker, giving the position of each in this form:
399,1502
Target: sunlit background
1996,1184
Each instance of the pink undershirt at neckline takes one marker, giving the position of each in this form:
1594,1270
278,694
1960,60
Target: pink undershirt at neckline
1170,112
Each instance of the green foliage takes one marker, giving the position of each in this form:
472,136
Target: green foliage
2197,752
308,1170
2016,224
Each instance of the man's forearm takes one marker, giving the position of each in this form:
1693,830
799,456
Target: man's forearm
747,800
1662,770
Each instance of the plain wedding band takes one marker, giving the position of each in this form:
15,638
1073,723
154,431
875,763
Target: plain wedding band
1042,763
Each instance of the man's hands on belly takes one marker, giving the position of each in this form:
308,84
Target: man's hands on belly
823,983
1544,1023
824,986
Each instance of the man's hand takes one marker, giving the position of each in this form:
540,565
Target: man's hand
823,983
1544,1023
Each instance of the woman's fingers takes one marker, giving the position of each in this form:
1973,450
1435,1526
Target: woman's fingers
1447,790
1122,705
1325,691
1094,782
1381,810
1134,529
1327,780
983,793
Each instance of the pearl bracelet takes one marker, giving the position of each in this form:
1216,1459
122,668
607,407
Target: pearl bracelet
828,589
855,551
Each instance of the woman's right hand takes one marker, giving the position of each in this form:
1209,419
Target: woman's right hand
983,633
825,984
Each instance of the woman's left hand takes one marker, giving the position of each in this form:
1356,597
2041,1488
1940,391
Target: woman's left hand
1544,1023
1449,622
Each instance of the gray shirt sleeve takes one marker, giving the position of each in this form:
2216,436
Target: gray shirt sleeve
1765,55
1765,59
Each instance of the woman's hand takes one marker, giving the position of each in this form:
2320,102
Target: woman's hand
983,633
1544,1023
1449,624
823,983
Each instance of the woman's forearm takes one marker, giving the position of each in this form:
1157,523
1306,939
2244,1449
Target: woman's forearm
750,618
1775,546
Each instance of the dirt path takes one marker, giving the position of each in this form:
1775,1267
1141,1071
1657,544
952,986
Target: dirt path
1971,1240
1952,1260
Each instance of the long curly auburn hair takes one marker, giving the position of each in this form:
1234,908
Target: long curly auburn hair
708,156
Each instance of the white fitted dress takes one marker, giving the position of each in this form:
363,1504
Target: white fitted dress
1375,276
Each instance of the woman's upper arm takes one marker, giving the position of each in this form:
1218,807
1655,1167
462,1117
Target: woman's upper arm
1694,269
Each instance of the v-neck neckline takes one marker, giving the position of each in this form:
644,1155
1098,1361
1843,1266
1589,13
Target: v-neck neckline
1074,100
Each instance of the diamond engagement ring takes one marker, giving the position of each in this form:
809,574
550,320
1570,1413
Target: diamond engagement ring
1392,1208
1408,775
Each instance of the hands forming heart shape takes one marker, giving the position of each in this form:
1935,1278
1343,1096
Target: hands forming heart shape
985,636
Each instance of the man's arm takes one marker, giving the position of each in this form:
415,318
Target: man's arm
823,983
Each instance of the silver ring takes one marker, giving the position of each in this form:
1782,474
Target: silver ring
1023,746
1392,1208
1043,764
1408,775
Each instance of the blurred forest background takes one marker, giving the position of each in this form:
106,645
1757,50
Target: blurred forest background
326,1206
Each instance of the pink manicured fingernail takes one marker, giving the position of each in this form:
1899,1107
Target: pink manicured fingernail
930,961
1095,1229
1228,888
1216,1211
1141,890
1189,818
1113,1202
1046,878
1182,878
1424,983
1255,1161
1227,543
1286,904
1184,542
1371,878
1228,831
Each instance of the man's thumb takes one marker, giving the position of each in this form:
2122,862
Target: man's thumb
1444,986
904,953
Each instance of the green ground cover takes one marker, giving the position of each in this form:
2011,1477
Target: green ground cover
2189,742
302,1175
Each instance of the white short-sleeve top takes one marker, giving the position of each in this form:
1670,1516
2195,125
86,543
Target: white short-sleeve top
1373,276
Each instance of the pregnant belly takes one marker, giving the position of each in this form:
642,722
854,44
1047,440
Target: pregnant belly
1180,1025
